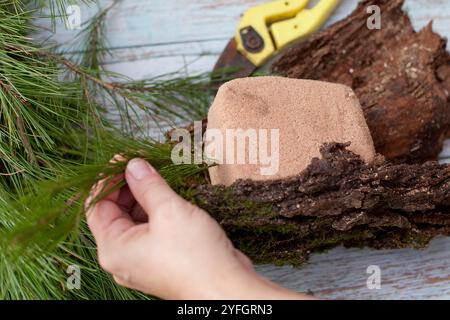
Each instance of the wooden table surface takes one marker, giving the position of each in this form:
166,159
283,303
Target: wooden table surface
150,38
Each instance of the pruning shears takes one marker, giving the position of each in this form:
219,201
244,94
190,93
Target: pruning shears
267,28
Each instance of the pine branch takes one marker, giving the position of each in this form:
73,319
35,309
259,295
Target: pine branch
91,41
167,99
49,219
56,141
35,108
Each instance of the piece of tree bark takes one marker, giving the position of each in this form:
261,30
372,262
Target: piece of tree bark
401,77
338,199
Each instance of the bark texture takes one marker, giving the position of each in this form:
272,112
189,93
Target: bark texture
401,77
338,199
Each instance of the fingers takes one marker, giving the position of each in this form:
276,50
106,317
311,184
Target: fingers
109,184
119,212
105,185
148,187
123,197
108,219
138,214
126,199
107,222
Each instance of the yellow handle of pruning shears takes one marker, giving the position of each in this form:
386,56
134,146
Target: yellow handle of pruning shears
266,28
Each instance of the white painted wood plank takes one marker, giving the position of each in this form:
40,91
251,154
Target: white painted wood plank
422,12
342,273
203,27
159,36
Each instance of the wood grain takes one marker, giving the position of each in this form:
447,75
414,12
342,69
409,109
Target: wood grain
150,38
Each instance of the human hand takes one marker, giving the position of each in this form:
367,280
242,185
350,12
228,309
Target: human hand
152,240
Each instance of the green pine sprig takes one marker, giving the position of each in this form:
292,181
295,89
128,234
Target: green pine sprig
56,140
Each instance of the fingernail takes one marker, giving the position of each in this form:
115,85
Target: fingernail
140,169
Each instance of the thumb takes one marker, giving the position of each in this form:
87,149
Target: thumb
148,187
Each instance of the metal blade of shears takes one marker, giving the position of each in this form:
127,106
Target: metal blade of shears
233,63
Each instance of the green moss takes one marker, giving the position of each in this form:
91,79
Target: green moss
267,237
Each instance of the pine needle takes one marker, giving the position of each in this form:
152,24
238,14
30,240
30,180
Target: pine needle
57,136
